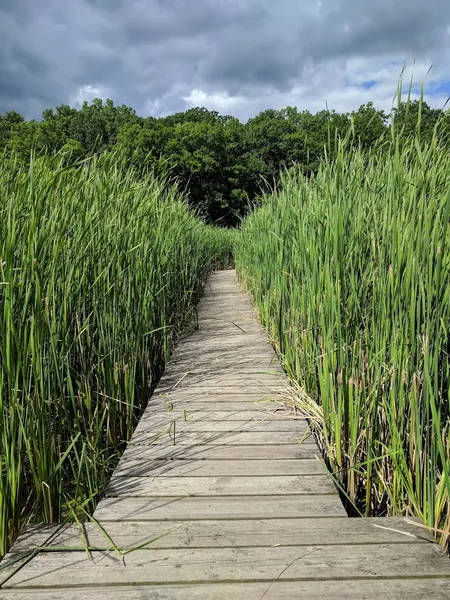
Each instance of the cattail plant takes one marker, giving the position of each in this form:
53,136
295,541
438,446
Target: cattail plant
351,273
99,271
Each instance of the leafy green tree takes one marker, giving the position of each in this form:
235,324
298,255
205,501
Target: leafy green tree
223,164
9,122
369,125
268,137
413,116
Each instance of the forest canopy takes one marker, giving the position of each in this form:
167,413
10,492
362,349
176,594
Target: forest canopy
221,163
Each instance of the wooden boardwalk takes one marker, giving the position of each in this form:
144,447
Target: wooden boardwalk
233,483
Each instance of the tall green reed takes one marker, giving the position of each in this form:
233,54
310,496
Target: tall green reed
98,274
351,274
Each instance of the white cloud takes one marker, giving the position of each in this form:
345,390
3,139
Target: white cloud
222,102
340,86
87,93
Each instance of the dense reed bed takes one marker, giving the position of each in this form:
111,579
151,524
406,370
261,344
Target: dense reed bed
351,273
98,274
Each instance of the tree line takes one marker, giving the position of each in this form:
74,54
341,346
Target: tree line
222,163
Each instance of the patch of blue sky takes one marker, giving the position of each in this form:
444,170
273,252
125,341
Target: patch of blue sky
439,88
415,89
367,85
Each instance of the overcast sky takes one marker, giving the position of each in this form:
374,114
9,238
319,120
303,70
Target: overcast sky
235,56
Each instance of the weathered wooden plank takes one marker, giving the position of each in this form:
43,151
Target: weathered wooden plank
229,336
225,279
162,417
233,564
182,426
202,349
237,401
244,331
230,378
162,405
253,392
237,318
210,412
165,406
227,295
217,278
221,319
220,486
230,365
241,326
251,369
263,378
367,589
217,308
258,387
220,367
217,468
225,507
209,304
217,283
224,292
221,394
232,375
225,372
193,357
247,351
229,316
225,313
250,438
221,452
200,422
201,414
258,383
286,425
220,288
244,343
203,343
222,336
224,534
256,390
226,361
226,367
230,362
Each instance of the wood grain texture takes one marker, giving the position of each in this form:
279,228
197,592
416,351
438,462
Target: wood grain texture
366,589
222,508
160,418
239,438
62,569
225,426
169,405
229,533
220,486
221,452
218,468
